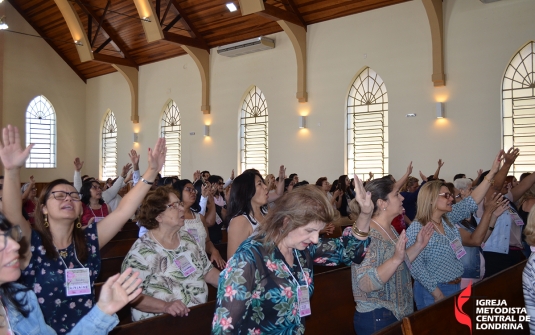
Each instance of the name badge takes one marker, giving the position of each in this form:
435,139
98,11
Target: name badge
517,220
458,248
407,261
218,220
77,282
303,297
185,265
193,232
98,219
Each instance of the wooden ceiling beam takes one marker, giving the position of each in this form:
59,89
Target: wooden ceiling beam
82,42
295,10
185,20
276,14
114,60
184,40
107,30
151,25
41,33
435,15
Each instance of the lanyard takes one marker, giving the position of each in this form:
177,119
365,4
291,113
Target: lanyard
393,242
438,231
101,211
75,256
302,272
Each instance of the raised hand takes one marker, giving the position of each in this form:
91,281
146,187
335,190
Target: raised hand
440,163
363,198
511,155
409,169
126,168
78,165
496,163
196,175
157,155
118,291
232,175
282,173
205,189
134,158
424,178
11,152
399,254
479,173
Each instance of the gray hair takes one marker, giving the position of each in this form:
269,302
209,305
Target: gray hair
462,184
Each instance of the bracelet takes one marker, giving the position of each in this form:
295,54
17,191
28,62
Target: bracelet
146,181
491,181
358,232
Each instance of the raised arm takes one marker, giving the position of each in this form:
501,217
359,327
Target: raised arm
499,178
111,192
519,190
437,172
13,158
134,158
403,179
272,196
366,209
112,224
77,181
477,237
28,189
484,187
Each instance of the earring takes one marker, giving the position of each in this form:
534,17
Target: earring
46,224
384,209
78,225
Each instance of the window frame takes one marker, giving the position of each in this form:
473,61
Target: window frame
48,135
167,107
109,120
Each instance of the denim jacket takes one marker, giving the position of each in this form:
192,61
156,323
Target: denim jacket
95,322
472,260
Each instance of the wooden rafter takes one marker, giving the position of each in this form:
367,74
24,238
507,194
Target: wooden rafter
290,6
189,26
276,14
40,32
113,60
184,40
109,33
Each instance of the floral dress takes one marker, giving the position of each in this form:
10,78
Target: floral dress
47,279
162,278
257,292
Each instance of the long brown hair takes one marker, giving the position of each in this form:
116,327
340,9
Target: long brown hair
78,234
300,206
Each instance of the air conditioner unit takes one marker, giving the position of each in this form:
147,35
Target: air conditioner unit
488,1
246,47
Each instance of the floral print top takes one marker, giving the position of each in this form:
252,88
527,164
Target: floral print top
258,295
162,278
47,279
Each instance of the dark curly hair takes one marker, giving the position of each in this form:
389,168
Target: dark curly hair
154,204
86,191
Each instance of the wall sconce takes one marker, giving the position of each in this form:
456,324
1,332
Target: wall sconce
302,121
206,130
440,110
3,25
135,137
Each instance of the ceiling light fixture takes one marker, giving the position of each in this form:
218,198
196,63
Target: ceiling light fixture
146,19
232,7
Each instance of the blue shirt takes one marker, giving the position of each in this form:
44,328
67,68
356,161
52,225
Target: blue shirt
95,322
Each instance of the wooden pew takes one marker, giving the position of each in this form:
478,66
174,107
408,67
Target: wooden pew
117,248
332,312
126,234
440,317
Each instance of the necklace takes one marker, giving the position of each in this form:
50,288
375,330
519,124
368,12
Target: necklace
436,228
385,231
63,253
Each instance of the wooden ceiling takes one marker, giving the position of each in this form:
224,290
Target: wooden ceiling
117,35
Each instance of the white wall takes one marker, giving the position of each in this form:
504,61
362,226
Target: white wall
31,68
480,39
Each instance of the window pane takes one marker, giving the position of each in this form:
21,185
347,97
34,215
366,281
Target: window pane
518,99
41,131
367,136
109,147
254,132
170,130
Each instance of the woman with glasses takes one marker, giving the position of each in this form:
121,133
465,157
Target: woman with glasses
438,268
58,249
94,208
172,264
195,223
23,313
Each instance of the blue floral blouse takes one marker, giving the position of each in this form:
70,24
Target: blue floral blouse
47,279
258,295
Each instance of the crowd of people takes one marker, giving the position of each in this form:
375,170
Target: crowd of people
408,243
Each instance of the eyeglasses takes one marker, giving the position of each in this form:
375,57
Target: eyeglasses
96,187
15,232
458,196
62,195
176,205
446,195
190,189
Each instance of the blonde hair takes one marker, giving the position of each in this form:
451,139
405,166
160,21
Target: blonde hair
408,183
298,208
426,202
529,231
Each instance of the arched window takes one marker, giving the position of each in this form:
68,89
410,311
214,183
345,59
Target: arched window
41,130
367,126
254,132
518,112
109,146
170,130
